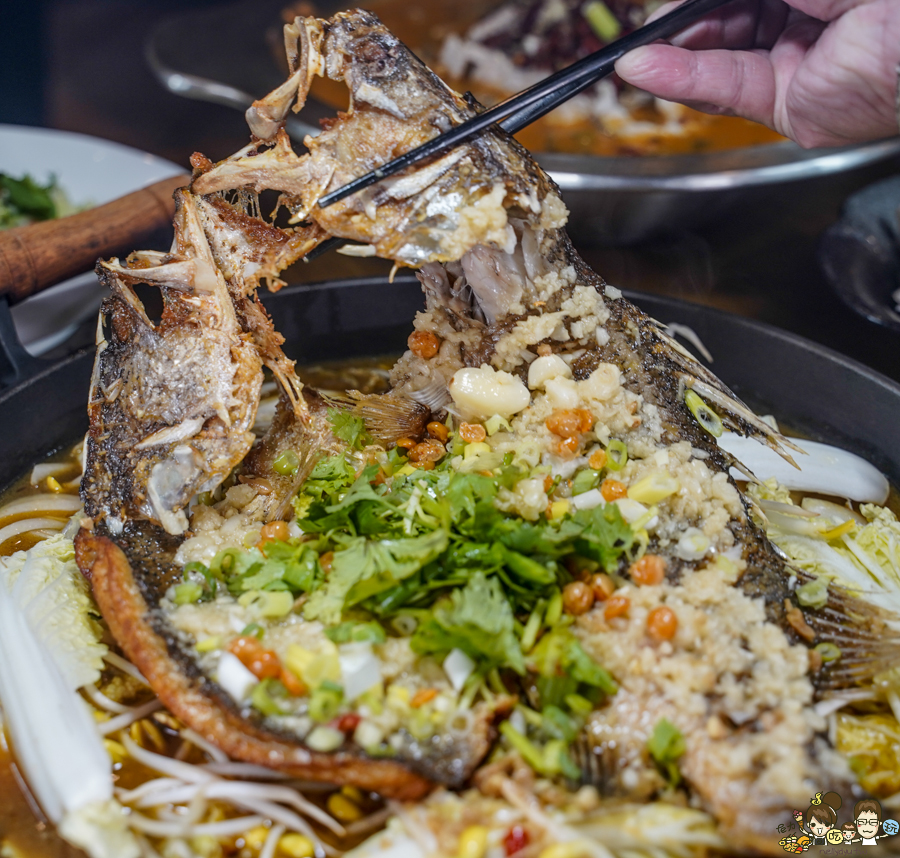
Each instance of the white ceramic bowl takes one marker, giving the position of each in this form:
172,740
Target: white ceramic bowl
92,172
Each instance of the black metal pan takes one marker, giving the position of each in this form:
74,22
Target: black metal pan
810,388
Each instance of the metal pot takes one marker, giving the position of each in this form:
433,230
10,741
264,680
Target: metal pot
809,388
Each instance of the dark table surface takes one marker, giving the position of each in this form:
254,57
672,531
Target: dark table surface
759,262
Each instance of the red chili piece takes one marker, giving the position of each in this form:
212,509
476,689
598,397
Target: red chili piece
516,840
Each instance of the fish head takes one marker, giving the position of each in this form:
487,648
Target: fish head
171,401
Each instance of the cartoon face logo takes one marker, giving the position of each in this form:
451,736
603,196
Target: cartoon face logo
867,818
891,827
834,837
818,828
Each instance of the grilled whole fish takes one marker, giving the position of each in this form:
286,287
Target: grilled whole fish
520,327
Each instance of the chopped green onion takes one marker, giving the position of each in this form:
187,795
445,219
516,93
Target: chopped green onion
272,604
187,593
616,455
532,627
209,644
666,746
813,594
528,569
557,759
254,630
325,701
554,609
601,20
494,424
828,651
287,464
703,414
526,748
579,705
585,481
559,725
351,632
264,697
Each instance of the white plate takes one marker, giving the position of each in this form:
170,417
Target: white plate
92,172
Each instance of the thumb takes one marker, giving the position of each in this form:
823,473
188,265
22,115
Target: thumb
741,82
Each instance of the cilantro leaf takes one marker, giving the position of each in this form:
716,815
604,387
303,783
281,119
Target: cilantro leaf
605,535
666,746
331,475
283,567
364,568
478,620
349,428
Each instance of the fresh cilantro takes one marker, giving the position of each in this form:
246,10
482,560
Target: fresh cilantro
564,668
363,568
604,534
478,620
331,476
666,746
349,428
283,567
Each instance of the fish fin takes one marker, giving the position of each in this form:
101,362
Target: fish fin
386,416
867,635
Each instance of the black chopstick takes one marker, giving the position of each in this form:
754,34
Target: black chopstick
520,110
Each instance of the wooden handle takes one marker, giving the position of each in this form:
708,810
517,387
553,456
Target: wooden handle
35,257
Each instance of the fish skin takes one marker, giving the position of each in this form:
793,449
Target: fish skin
310,439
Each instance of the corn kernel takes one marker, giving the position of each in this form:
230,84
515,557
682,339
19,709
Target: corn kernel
296,846
654,488
256,837
559,508
353,793
342,809
53,485
473,842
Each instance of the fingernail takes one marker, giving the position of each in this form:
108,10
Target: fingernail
635,63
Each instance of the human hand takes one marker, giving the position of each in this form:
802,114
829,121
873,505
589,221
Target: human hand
822,72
